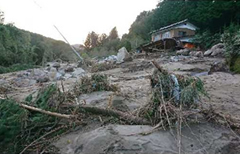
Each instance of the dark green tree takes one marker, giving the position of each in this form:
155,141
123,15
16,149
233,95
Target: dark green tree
113,34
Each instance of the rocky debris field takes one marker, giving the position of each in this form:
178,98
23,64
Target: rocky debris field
205,135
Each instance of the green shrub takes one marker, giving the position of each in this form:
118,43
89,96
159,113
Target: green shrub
236,67
231,38
206,39
19,127
16,67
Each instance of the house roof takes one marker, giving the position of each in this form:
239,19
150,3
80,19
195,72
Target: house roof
171,26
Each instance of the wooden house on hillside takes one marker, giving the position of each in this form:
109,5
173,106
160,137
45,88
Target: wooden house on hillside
179,35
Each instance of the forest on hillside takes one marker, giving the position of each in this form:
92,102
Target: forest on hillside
22,49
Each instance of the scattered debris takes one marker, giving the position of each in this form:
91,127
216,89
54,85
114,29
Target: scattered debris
99,67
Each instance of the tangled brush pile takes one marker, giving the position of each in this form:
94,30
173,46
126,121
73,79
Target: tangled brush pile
97,82
171,94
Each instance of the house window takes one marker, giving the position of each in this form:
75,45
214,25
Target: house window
182,33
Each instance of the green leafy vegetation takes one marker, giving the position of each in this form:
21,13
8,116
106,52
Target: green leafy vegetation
231,38
19,127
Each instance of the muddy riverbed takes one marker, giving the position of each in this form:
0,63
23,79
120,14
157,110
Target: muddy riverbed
133,80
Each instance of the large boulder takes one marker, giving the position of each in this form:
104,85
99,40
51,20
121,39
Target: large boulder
218,46
219,67
184,52
196,54
216,50
199,54
123,55
208,52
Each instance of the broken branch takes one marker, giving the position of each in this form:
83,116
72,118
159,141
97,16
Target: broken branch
46,112
118,114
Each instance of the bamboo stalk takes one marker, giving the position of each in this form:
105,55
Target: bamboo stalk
46,112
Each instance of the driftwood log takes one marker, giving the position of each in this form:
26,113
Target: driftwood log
131,119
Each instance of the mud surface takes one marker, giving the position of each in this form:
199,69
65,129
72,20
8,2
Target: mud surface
133,80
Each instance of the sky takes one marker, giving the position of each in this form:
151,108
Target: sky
74,18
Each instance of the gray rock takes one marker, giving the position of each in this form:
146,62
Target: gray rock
219,67
218,52
123,55
118,104
58,76
199,54
192,53
208,52
43,79
67,76
78,72
21,82
184,52
56,65
4,86
69,69
38,72
218,46
62,72
52,74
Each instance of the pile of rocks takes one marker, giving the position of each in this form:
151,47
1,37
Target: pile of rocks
53,72
216,50
187,52
183,52
196,54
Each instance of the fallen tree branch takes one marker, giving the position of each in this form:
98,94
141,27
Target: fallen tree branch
160,69
47,112
52,131
234,123
118,114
